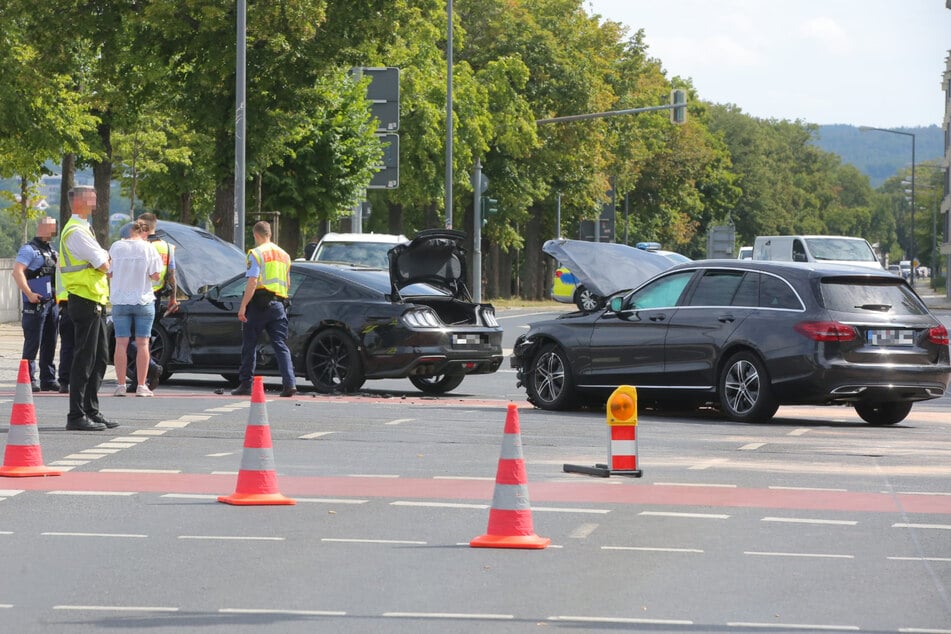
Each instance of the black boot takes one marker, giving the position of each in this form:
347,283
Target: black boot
242,390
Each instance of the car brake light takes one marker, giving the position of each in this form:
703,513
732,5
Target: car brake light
826,331
938,335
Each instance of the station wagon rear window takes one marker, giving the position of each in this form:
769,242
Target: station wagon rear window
863,296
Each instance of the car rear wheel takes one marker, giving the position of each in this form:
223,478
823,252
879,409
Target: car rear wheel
439,384
587,301
333,362
160,349
883,413
549,382
745,391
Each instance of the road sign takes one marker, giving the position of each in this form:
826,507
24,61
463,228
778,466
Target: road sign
383,93
388,176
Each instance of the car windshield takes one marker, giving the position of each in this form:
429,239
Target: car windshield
850,295
841,249
371,254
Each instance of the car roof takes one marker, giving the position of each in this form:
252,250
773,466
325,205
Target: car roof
387,238
810,269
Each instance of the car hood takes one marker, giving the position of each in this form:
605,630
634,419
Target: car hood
605,267
435,257
201,258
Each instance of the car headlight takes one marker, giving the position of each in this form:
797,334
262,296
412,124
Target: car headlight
422,318
488,318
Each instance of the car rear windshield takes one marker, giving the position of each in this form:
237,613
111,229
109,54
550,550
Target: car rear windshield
863,295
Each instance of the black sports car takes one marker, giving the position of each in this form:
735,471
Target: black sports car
747,336
348,324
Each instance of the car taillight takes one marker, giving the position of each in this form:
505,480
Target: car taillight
826,331
938,335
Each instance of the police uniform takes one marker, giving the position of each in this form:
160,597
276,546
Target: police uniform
39,320
266,312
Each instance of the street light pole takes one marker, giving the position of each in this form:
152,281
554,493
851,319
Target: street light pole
911,253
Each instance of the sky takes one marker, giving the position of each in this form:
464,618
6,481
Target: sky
877,63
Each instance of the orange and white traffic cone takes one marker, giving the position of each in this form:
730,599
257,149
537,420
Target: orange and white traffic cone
257,480
510,518
23,456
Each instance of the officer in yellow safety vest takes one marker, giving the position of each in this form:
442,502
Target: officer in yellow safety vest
84,265
67,334
263,309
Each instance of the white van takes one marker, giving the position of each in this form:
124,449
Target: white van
834,249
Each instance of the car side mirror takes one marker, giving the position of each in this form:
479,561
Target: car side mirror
616,304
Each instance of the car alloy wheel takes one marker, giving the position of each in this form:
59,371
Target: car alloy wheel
439,384
549,383
745,391
587,301
333,362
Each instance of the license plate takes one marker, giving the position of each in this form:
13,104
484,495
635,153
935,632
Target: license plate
890,337
467,340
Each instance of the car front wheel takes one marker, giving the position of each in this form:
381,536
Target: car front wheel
439,384
333,362
549,382
883,413
745,391
587,301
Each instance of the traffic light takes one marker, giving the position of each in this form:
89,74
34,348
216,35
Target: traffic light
622,406
678,99
489,206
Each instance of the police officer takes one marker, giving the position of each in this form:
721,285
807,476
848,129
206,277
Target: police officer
34,273
84,265
263,308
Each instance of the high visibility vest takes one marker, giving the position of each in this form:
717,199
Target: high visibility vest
61,294
275,267
166,253
79,276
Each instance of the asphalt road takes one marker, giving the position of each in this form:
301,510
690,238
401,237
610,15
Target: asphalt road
814,522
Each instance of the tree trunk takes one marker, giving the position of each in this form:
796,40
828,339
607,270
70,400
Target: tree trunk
223,216
67,180
532,266
185,208
102,180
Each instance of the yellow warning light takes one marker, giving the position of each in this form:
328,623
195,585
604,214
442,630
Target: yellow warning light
622,406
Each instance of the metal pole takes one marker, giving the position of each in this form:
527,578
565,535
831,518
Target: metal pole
477,233
449,116
558,217
914,267
240,124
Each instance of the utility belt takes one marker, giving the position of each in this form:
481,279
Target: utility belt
262,298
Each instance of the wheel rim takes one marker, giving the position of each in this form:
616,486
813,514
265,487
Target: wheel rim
549,377
330,361
742,387
588,300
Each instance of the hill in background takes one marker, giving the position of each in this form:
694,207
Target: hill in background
881,155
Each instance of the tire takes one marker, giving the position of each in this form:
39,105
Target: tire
549,383
439,384
745,391
587,301
333,363
883,413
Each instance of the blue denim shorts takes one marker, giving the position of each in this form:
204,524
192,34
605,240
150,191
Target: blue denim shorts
125,315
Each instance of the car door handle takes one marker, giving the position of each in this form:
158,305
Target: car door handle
726,319
658,317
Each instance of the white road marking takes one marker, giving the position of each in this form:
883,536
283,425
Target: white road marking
917,492
223,410
278,612
250,538
778,488
116,445
133,439
219,455
372,475
65,464
946,527
175,424
919,558
462,478
85,456
659,550
694,484
918,630
446,615
799,432
608,619
224,473
751,446
584,531
63,534
399,420
316,434
10,492
444,505
818,555
100,450
708,516
149,432
331,500
803,520
118,493
116,608
707,464
556,509
194,418
795,626
372,541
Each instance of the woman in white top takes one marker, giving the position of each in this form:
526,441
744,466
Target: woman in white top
135,264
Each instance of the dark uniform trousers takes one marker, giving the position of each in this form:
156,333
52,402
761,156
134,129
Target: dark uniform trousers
67,339
89,356
39,335
271,318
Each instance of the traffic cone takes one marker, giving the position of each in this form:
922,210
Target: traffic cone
510,518
257,480
23,456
